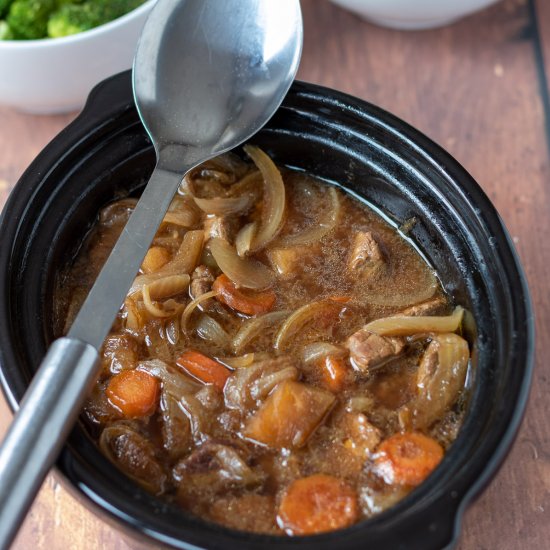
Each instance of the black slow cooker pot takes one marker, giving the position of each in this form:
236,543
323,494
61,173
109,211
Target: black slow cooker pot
105,154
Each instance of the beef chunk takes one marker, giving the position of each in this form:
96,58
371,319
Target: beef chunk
201,281
369,350
366,256
221,227
134,454
215,467
361,436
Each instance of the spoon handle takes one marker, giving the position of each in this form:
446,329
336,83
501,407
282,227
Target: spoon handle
47,413
51,404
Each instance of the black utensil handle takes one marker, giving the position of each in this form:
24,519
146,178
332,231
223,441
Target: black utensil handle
40,427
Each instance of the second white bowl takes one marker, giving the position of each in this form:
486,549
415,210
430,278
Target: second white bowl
413,14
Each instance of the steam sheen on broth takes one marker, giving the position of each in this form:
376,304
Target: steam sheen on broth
285,361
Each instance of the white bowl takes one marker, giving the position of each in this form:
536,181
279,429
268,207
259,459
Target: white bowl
55,75
413,14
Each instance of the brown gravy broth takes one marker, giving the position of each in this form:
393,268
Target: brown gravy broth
297,433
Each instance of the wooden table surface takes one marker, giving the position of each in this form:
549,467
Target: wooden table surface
480,89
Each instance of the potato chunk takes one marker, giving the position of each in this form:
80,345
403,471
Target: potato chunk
289,415
290,261
155,258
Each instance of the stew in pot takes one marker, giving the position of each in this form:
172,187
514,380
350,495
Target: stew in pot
285,360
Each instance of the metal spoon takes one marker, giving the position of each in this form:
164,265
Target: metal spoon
208,74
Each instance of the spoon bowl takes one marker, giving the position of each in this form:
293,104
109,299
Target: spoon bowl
208,74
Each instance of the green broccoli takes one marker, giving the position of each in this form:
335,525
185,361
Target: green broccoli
71,19
5,31
4,5
28,19
108,10
32,19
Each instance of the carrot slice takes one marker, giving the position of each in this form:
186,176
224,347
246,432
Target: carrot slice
247,302
204,368
334,373
316,504
133,393
408,458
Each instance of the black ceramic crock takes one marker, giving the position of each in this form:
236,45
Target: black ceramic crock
105,154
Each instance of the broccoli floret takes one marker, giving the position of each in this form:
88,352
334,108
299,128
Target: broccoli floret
5,31
28,19
108,10
71,19
4,5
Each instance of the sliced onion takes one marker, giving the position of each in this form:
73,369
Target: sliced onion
251,184
261,387
173,381
244,238
318,350
403,325
210,330
168,309
186,315
274,201
198,415
157,346
118,212
166,287
141,280
439,380
243,361
224,168
176,427
163,288
318,230
377,297
216,175
240,199
172,330
183,218
253,327
132,316
184,262
243,272
188,254
121,443
225,206
301,317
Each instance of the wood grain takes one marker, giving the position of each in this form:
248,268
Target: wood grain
475,88
542,10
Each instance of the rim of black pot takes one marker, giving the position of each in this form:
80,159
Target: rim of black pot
427,518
